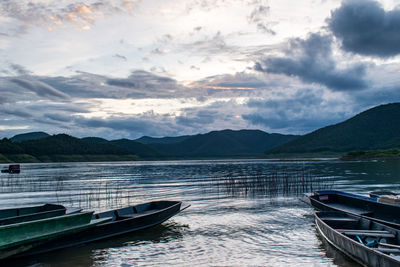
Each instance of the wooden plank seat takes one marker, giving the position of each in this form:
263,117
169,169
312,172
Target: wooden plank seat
364,231
339,219
371,234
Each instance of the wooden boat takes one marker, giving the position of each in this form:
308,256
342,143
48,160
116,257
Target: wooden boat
25,214
14,168
124,220
376,194
370,208
365,241
20,237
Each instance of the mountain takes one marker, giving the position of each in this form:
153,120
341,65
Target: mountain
62,144
161,140
376,128
216,144
95,140
8,147
225,143
29,136
139,149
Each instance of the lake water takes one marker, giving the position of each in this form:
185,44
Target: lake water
243,212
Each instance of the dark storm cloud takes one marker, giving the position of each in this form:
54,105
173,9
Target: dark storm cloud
146,84
20,70
312,61
296,103
40,88
145,124
16,111
302,112
235,83
59,117
377,96
140,84
364,27
288,124
196,118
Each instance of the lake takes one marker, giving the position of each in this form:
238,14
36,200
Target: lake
243,212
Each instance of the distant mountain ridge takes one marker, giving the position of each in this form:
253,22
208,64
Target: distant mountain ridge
225,143
375,128
62,144
215,144
134,147
29,136
146,140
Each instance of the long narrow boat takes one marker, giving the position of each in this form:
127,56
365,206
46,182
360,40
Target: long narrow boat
365,241
376,194
20,237
25,214
124,220
367,207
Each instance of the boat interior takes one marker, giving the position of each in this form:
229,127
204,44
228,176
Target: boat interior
369,233
365,207
134,211
6,213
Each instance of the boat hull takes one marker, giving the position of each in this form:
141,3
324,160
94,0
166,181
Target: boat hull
359,252
25,214
121,224
20,237
365,207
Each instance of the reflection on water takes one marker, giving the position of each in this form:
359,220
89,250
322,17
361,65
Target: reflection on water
244,212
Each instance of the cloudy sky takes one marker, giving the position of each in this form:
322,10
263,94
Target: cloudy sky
128,68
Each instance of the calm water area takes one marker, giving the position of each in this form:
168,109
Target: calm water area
243,212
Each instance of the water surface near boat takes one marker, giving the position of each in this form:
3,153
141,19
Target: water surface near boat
231,221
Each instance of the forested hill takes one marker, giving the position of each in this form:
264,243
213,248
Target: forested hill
376,128
61,147
29,136
216,144
162,140
226,143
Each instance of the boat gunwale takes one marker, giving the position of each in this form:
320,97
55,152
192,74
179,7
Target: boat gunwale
120,233
43,220
32,214
319,220
139,215
53,234
361,198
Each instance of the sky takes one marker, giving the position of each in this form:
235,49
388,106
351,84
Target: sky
129,68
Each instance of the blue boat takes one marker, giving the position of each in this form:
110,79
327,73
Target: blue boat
363,206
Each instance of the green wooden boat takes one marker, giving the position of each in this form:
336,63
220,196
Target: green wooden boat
20,237
25,214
